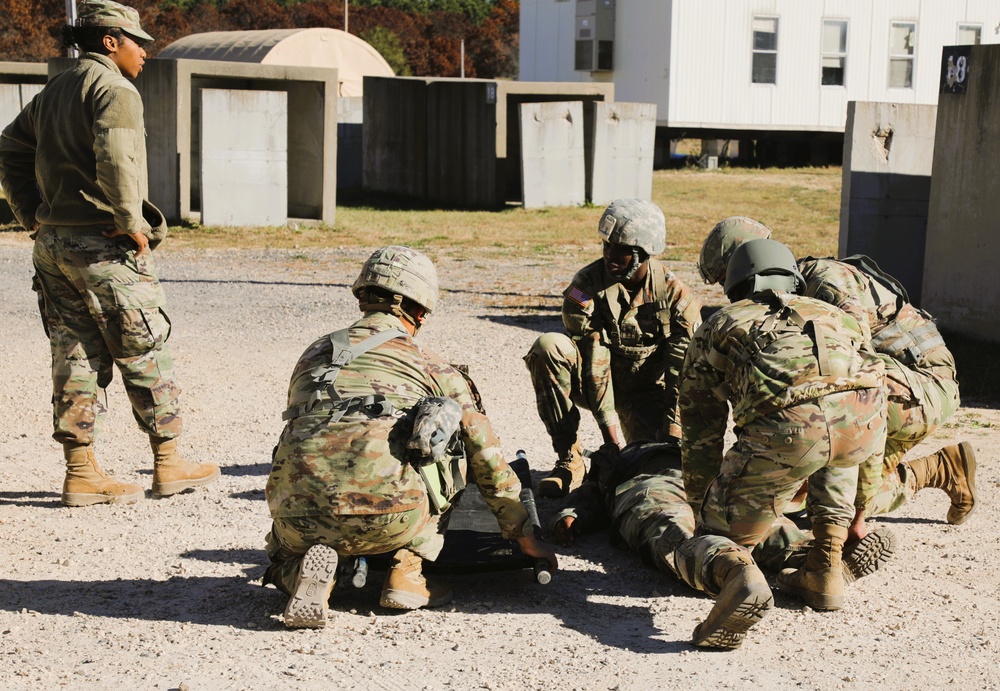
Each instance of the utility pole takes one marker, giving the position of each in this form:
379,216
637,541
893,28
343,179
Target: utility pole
345,15
71,20
462,59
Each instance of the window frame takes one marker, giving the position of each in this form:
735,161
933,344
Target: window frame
823,54
754,51
968,25
900,57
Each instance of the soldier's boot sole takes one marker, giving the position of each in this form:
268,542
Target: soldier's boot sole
815,588
968,456
744,601
308,607
165,489
869,554
554,487
90,498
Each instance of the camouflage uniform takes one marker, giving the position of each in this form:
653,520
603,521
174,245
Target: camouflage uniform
74,162
346,483
622,358
921,381
806,404
645,505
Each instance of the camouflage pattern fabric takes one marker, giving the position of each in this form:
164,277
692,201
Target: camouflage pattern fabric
726,236
922,394
806,402
102,304
110,13
634,223
335,475
622,358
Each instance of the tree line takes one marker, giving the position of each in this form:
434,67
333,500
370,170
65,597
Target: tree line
416,37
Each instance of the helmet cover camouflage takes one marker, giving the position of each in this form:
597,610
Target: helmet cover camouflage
107,13
725,237
636,223
769,263
402,271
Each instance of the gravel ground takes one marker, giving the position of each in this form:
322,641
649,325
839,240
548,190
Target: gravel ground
165,594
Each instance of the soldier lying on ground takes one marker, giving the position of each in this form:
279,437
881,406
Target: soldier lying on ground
807,403
629,321
73,167
380,434
921,381
640,494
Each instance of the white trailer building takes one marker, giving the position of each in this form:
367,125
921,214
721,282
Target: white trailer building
752,69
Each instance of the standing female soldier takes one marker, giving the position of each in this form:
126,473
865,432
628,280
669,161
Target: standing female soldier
73,167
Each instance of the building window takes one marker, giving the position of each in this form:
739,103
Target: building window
969,34
834,52
765,50
902,43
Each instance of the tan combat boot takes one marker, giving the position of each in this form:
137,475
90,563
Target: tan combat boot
820,581
952,469
308,606
566,476
406,588
86,483
172,474
868,555
744,598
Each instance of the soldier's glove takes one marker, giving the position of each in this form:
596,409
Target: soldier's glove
436,422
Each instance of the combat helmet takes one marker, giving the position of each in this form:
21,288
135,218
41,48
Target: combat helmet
636,223
401,271
725,237
759,265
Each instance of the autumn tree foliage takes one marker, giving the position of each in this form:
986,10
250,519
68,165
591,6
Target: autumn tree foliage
425,36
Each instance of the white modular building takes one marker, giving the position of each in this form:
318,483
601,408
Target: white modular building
745,68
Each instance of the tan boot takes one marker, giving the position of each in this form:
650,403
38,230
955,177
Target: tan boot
952,469
308,606
406,588
868,555
86,483
744,599
820,581
566,476
172,474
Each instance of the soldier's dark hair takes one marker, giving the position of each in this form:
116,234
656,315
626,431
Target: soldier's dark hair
90,39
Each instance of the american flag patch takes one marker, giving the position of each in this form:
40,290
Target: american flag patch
578,296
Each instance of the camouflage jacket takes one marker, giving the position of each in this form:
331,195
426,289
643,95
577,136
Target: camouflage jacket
357,465
657,323
76,155
764,354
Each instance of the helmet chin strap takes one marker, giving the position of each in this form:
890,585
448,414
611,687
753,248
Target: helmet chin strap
371,303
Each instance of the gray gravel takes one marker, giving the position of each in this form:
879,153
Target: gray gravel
164,593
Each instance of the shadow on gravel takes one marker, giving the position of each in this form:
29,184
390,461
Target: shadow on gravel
915,521
250,494
542,323
255,470
51,499
213,601
228,556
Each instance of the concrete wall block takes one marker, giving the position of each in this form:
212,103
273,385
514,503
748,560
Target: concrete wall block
624,139
244,154
552,154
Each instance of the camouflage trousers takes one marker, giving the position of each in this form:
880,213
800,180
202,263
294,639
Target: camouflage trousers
350,535
824,440
557,377
917,408
102,305
652,517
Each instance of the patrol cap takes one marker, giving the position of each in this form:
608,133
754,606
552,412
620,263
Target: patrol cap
107,13
726,236
403,271
636,223
770,265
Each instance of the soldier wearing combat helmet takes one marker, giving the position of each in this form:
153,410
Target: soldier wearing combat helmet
379,437
921,379
629,321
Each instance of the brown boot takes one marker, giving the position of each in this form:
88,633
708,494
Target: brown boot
868,555
744,598
86,483
172,474
308,606
566,476
406,588
952,469
820,581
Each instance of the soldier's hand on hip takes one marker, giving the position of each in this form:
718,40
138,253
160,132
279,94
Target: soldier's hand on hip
139,239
